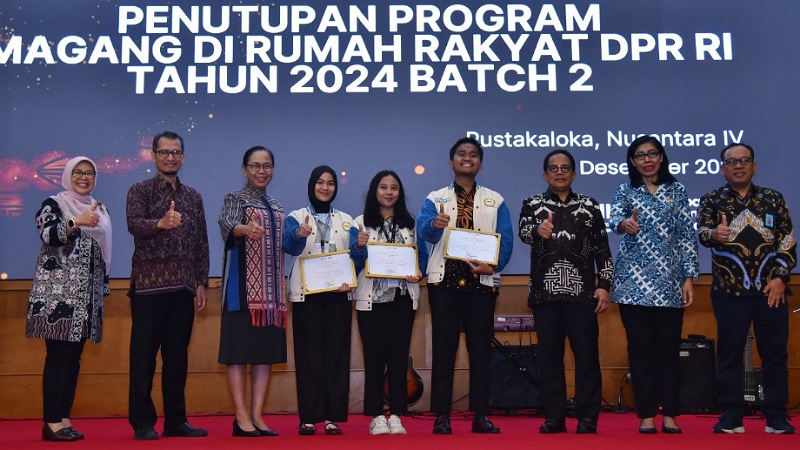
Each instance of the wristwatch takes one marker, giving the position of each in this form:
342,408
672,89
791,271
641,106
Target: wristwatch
71,223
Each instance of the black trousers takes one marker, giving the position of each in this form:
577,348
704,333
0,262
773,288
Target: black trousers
771,329
654,340
386,337
450,311
60,378
321,330
161,321
556,321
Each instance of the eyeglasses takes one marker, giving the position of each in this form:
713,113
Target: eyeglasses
78,174
566,168
744,160
164,154
652,154
255,167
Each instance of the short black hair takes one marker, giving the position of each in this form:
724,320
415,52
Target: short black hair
169,135
467,140
249,152
664,176
558,151
737,144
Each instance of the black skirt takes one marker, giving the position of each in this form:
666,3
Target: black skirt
242,343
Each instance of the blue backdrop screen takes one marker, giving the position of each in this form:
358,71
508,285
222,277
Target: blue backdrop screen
365,87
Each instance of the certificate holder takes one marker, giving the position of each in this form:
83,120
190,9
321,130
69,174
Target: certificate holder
325,272
471,245
389,260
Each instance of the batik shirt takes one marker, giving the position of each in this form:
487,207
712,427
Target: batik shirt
166,260
761,244
563,267
653,264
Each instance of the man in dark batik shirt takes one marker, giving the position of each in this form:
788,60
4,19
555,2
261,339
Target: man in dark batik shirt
568,239
749,232
169,270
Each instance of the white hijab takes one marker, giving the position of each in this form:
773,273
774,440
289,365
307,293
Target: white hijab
73,204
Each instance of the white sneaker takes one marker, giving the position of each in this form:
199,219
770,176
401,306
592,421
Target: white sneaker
395,426
379,425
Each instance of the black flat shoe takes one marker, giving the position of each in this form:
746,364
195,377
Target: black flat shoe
442,425
76,433
62,435
307,429
651,430
239,432
482,424
671,430
552,426
266,432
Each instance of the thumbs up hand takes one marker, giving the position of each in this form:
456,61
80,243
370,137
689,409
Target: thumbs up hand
722,233
363,237
255,231
631,225
305,229
171,219
442,219
545,229
88,217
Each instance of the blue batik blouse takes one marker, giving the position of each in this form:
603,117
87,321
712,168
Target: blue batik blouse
653,264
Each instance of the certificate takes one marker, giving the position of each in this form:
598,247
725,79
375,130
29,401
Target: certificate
327,271
385,260
472,245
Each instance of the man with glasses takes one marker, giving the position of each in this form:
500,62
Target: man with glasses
749,232
168,271
568,240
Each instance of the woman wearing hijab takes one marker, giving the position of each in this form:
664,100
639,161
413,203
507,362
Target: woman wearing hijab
66,302
320,322
385,306
253,291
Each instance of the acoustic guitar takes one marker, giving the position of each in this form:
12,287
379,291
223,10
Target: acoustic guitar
414,386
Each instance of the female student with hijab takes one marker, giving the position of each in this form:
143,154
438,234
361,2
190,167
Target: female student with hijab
656,263
320,322
66,302
253,328
385,306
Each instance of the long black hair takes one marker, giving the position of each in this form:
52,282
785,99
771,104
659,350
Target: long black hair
664,177
372,209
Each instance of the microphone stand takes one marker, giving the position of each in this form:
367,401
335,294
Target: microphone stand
622,409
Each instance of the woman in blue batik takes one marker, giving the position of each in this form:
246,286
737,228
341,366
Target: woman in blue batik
656,264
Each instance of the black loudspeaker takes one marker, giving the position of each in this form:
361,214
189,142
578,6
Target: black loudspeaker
698,369
514,378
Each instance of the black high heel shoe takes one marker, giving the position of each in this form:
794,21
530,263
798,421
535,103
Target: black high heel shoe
239,432
671,430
